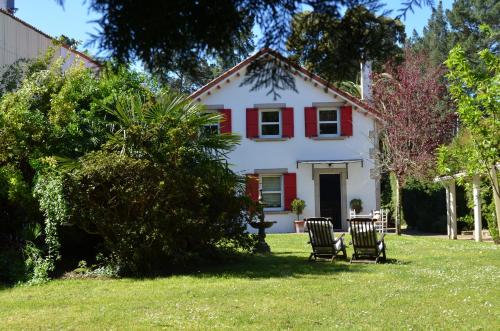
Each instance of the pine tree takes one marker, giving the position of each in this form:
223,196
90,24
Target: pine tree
466,18
436,37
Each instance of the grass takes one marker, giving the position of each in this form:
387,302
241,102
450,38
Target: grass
430,284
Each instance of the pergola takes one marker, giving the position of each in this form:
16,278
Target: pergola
451,204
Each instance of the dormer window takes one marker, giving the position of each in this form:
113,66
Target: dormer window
270,123
328,122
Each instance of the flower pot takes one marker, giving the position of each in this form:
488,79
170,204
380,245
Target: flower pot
299,226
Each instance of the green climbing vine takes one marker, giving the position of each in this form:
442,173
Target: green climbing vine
49,192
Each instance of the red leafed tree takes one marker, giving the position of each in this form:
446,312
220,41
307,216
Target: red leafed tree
411,98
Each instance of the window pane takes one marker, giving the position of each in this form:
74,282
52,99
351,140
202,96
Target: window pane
211,129
271,200
270,116
270,129
328,128
327,115
271,183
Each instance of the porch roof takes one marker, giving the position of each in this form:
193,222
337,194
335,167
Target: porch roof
330,162
347,161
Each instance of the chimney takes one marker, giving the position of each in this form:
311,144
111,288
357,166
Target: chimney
366,80
8,6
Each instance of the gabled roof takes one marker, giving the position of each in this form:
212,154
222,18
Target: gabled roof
80,54
348,97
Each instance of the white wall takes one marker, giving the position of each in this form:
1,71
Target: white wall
252,154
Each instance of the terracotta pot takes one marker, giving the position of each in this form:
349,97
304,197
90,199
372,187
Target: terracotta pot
299,226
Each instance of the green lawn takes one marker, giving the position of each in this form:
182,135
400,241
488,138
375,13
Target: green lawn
431,284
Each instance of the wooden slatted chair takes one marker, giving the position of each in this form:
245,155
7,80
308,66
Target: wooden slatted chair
367,246
322,239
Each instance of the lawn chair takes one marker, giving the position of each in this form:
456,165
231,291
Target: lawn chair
322,239
380,217
366,245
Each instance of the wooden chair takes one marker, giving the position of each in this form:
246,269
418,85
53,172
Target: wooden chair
322,239
380,217
366,245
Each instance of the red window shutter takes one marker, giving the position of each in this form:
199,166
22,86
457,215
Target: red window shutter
252,187
225,123
290,184
287,117
346,121
252,123
311,121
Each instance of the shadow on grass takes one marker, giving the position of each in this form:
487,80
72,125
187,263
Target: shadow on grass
396,261
278,265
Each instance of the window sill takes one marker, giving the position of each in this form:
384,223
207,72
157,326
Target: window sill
329,138
269,139
276,212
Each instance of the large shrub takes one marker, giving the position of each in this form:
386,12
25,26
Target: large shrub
160,193
49,112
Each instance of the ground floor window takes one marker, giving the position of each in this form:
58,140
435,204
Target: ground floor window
272,191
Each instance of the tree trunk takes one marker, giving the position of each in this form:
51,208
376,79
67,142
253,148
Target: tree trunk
496,193
398,206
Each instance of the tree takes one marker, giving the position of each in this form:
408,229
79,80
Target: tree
476,93
50,112
179,34
410,99
436,37
160,192
466,18
188,82
334,47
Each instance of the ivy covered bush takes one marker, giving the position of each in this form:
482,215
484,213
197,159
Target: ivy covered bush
109,154
159,192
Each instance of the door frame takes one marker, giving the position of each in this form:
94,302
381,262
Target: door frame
343,207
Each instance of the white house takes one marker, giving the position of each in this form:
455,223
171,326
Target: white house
316,144
20,40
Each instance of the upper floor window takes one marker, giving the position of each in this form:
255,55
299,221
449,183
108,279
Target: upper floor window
328,122
213,128
270,123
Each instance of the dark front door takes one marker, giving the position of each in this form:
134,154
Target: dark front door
329,198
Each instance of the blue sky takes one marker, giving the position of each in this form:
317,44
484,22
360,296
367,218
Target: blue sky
75,20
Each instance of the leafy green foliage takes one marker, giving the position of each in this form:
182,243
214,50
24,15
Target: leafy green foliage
176,36
334,47
466,18
356,204
49,112
160,193
298,206
476,93
461,25
436,37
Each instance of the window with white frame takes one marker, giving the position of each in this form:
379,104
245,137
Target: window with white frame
211,128
328,122
272,191
270,123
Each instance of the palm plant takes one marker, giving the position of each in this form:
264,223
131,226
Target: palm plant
155,126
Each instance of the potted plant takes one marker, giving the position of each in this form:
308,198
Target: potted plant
298,206
356,205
